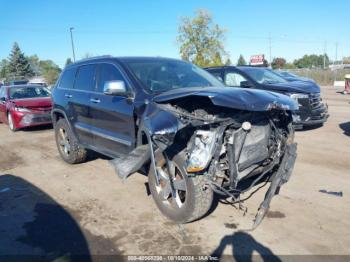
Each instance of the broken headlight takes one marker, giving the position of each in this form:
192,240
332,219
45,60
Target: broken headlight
201,154
298,96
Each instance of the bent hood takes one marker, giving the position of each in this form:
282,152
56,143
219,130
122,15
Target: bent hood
42,102
236,98
294,87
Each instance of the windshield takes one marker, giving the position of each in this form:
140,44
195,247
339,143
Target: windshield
28,92
285,74
263,75
162,75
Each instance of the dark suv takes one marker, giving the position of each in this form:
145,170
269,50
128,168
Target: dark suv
311,111
194,135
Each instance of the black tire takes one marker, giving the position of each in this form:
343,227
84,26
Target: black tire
198,197
11,123
68,148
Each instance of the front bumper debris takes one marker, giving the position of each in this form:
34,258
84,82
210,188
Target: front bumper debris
280,177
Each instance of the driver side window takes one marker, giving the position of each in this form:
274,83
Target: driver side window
234,79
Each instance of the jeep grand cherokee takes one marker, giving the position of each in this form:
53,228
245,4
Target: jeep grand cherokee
196,136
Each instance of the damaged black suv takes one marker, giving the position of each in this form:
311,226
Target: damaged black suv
195,135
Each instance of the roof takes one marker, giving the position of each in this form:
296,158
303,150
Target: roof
121,59
30,85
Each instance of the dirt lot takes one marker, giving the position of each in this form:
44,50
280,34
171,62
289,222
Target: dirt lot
49,207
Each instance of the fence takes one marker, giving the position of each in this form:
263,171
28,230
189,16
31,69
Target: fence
321,76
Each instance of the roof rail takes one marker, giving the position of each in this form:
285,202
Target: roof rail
93,58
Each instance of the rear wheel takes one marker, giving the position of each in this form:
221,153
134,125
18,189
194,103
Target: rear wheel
179,197
11,123
67,143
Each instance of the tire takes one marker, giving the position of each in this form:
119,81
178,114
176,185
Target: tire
67,143
198,196
11,123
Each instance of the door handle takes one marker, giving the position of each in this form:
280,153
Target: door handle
68,96
95,100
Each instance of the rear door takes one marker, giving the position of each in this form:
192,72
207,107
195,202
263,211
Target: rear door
79,102
113,123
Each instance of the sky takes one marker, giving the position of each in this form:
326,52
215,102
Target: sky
149,27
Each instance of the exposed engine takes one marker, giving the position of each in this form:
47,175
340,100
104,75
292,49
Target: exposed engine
230,145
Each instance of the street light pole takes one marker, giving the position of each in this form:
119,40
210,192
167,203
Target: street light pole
270,47
71,39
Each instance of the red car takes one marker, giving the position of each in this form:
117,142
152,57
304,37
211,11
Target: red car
25,105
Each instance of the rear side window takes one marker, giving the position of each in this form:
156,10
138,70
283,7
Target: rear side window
234,79
85,79
67,78
108,72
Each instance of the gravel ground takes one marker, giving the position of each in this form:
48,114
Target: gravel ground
50,208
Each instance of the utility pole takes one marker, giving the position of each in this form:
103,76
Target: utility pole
71,39
324,54
336,51
270,48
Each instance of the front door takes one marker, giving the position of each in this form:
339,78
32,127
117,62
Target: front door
78,100
113,123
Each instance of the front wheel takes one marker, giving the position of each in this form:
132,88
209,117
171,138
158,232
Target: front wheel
179,197
11,123
67,143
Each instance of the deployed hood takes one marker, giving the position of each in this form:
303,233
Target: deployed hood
33,102
236,98
294,87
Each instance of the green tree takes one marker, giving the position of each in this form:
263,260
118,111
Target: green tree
4,69
34,64
310,61
201,40
278,63
49,70
228,62
241,61
68,61
19,65
346,60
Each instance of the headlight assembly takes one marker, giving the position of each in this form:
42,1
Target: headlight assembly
298,96
201,154
22,109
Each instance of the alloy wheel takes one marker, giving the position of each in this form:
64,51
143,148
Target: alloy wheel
10,120
64,142
172,189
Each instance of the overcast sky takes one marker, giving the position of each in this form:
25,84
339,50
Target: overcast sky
149,27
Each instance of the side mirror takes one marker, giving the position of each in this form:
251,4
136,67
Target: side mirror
246,84
115,88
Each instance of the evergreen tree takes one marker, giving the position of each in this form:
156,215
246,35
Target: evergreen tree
19,65
241,61
228,62
68,61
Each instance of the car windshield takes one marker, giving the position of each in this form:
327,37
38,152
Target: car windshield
263,75
28,92
285,74
162,75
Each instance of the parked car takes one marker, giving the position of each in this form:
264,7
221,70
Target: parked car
290,77
196,136
18,82
312,111
25,105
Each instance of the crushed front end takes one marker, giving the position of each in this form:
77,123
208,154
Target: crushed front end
234,149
